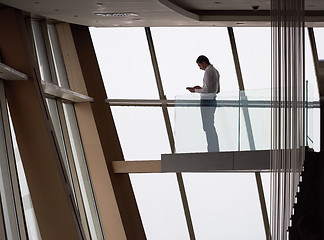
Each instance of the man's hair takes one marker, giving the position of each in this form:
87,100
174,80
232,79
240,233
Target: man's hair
202,59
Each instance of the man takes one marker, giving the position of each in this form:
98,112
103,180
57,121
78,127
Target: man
208,101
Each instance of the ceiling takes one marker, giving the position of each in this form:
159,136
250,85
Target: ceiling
155,13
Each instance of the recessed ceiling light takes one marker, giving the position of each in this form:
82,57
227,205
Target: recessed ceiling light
118,14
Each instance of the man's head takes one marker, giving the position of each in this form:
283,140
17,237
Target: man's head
202,62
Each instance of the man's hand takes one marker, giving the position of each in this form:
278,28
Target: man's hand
193,89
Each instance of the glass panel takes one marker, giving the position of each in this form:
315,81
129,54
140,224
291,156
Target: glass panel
312,119
255,120
57,56
160,206
124,62
141,132
224,206
190,135
254,51
177,50
313,137
41,52
82,172
309,116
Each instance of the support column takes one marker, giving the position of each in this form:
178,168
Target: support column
49,188
114,195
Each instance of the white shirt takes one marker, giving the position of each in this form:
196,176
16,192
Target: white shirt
210,81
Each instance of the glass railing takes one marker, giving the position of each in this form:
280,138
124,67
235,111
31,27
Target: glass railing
235,121
312,118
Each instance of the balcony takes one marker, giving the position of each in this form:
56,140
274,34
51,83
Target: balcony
242,122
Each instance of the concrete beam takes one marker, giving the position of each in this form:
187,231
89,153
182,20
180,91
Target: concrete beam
244,161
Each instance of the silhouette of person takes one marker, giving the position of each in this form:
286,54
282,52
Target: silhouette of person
208,101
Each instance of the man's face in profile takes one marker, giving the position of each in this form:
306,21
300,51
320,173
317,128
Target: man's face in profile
202,65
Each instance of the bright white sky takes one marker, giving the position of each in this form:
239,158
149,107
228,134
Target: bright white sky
223,206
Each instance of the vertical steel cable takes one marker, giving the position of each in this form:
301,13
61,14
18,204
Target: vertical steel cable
288,112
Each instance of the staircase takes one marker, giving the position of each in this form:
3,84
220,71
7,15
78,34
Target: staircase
306,220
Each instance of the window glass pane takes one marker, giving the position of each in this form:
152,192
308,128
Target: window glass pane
254,51
160,206
57,56
142,132
224,206
31,221
30,217
310,74
319,38
177,50
41,52
312,93
255,120
52,106
124,62
8,210
82,172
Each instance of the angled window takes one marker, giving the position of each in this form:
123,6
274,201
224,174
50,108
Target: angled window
142,132
224,205
319,37
143,136
254,51
13,217
65,125
41,51
160,206
312,92
124,62
31,220
177,50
